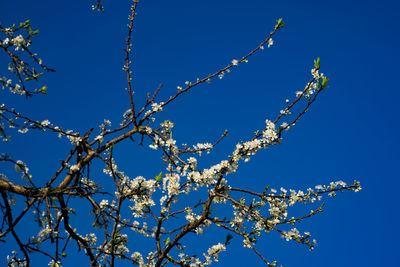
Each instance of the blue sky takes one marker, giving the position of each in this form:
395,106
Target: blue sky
351,132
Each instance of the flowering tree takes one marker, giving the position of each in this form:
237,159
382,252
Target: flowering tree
159,208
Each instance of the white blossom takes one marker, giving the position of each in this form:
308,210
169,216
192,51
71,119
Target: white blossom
157,107
74,168
103,204
270,42
45,122
18,41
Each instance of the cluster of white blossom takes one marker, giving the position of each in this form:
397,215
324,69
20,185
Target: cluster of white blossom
169,144
127,114
13,261
91,239
17,41
246,243
213,253
210,176
191,165
277,209
199,147
103,126
119,243
74,138
140,191
167,126
313,87
157,142
238,220
44,234
20,166
138,258
191,217
15,89
171,184
249,148
166,140
221,189
5,82
157,107
103,204
54,263
89,183
294,234
143,230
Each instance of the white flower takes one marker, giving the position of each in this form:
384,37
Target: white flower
103,204
148,130
23,131
235,62
54,263
270,42
5,41
170,142
246,243
127,114
157,107
45,122
18,166
74,168
99,138
215,250
18,41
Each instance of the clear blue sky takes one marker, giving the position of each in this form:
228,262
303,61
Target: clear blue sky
350,133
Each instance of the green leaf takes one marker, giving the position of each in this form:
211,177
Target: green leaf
279,24
324,83
167,241
159,177
317,63
43,90
229,237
